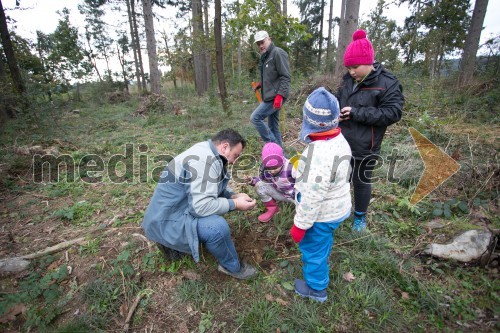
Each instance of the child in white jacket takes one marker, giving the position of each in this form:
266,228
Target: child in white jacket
322,191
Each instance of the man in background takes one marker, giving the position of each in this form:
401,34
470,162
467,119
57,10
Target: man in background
275,88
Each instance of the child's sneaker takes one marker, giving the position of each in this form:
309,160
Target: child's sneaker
304,290
359,224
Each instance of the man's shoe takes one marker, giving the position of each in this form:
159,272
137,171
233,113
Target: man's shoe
304,290
169,253
246,271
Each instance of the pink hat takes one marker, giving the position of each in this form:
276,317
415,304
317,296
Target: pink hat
360,51
272,155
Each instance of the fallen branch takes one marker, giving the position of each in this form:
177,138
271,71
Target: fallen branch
134,306
53,249
20,263
131,311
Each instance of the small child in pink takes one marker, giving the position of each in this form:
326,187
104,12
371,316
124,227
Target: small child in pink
275,181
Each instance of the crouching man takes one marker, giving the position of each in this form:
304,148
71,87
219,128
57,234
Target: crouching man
190,198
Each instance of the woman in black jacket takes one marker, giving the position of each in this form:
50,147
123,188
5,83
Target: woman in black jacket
370,99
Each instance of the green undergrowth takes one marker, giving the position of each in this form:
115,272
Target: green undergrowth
394,288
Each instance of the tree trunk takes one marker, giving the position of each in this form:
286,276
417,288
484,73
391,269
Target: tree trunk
121,59
108,70
199,60
285,8
138,47
468,61
348,24
91,56
134,46
329,64
239,59
154,73
219,57
321,33
208,56
169,57
15,72
5,110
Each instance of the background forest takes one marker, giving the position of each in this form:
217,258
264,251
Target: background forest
123,90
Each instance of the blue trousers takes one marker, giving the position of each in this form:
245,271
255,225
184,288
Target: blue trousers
214,233
316,247
271,131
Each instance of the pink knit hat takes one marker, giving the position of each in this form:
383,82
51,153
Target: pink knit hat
360,51
272,155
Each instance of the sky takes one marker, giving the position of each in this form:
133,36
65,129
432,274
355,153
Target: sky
42,15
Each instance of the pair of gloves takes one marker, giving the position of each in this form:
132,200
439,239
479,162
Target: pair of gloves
278,100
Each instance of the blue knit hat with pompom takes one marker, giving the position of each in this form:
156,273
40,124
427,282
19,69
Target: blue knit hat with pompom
320,113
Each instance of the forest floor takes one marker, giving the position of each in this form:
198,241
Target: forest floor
114,279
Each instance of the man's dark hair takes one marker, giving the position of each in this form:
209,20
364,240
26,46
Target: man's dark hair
229,135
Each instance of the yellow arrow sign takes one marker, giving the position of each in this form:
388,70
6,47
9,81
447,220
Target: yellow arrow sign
438,166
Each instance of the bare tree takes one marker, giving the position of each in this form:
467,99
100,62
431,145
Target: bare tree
134,45
348,24
329,64
8,50
138,46
199,59
154,73
467,64
208,57
219,57
320,39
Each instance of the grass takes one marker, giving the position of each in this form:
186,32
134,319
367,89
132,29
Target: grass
395,288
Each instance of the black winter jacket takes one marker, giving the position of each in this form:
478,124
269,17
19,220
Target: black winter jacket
376,103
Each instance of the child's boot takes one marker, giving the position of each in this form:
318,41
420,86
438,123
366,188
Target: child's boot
359,224
271,209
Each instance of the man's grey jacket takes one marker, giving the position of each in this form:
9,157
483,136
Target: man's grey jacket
275,73
193,185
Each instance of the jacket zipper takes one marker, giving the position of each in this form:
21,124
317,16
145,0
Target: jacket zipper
373,139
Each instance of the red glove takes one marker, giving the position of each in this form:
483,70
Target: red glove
278,102
257,86
297,233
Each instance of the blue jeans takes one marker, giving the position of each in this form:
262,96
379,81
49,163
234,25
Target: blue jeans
270,132
214,233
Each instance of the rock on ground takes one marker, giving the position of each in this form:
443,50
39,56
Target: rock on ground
466,247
